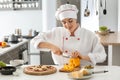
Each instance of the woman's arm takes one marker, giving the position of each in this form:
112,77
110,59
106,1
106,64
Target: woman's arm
97,54
50,46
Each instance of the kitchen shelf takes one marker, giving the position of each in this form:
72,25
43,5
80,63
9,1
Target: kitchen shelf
20,4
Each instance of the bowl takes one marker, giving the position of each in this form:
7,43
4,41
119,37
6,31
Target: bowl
102,32
16,62
8,70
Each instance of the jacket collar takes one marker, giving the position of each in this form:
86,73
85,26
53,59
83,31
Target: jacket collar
77,32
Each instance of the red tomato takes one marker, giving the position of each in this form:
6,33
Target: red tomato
0,43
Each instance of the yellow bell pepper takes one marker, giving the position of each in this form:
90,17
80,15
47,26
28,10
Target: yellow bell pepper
73,63
4,44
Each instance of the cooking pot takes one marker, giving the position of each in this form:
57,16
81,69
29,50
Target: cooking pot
13,38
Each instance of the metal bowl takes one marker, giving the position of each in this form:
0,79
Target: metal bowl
8,70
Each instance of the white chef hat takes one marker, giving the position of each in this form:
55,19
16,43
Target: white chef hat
66,11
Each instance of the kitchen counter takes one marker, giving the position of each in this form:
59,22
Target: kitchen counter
12,46
112,74
112,40
15,51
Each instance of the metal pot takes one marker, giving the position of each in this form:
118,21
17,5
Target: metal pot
13,38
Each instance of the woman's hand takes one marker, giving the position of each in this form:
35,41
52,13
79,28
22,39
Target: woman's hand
76,54
56,50
52,47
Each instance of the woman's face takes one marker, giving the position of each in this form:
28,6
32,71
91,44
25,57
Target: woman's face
70,24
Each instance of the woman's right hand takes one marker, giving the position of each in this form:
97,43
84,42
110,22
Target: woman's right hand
52,47
56,50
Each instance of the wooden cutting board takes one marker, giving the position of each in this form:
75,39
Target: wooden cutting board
62,70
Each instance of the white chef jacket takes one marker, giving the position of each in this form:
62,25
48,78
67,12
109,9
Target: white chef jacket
84,41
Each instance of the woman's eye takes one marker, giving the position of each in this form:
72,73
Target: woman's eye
64,22
70,21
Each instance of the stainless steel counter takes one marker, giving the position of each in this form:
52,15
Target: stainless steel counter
15,51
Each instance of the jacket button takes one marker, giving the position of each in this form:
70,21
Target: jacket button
66,51
78,38
66,38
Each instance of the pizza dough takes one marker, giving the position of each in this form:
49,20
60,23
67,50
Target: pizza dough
39,70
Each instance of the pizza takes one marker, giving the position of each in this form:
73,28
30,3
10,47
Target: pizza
39,70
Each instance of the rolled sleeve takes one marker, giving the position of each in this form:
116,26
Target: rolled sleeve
37,43
97,54
97,57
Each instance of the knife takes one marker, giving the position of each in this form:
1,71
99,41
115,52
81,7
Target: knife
95,72
66,56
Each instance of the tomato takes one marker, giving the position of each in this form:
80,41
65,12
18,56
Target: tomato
0,43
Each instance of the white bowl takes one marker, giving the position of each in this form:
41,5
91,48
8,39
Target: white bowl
16,62
102,32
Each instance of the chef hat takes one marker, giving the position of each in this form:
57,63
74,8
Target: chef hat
66,11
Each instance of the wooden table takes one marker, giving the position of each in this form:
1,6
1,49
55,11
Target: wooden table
112,40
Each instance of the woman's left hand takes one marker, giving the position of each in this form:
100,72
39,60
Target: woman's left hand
76,54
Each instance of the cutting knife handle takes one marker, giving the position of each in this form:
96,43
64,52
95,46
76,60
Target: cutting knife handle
99,72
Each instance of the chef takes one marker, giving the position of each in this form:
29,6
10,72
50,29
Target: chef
71,39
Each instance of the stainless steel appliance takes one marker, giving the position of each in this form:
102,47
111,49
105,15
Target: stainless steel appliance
13,38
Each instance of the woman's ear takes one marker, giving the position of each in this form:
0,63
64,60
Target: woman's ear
76,21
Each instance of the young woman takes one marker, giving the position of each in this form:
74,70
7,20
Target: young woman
70,39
